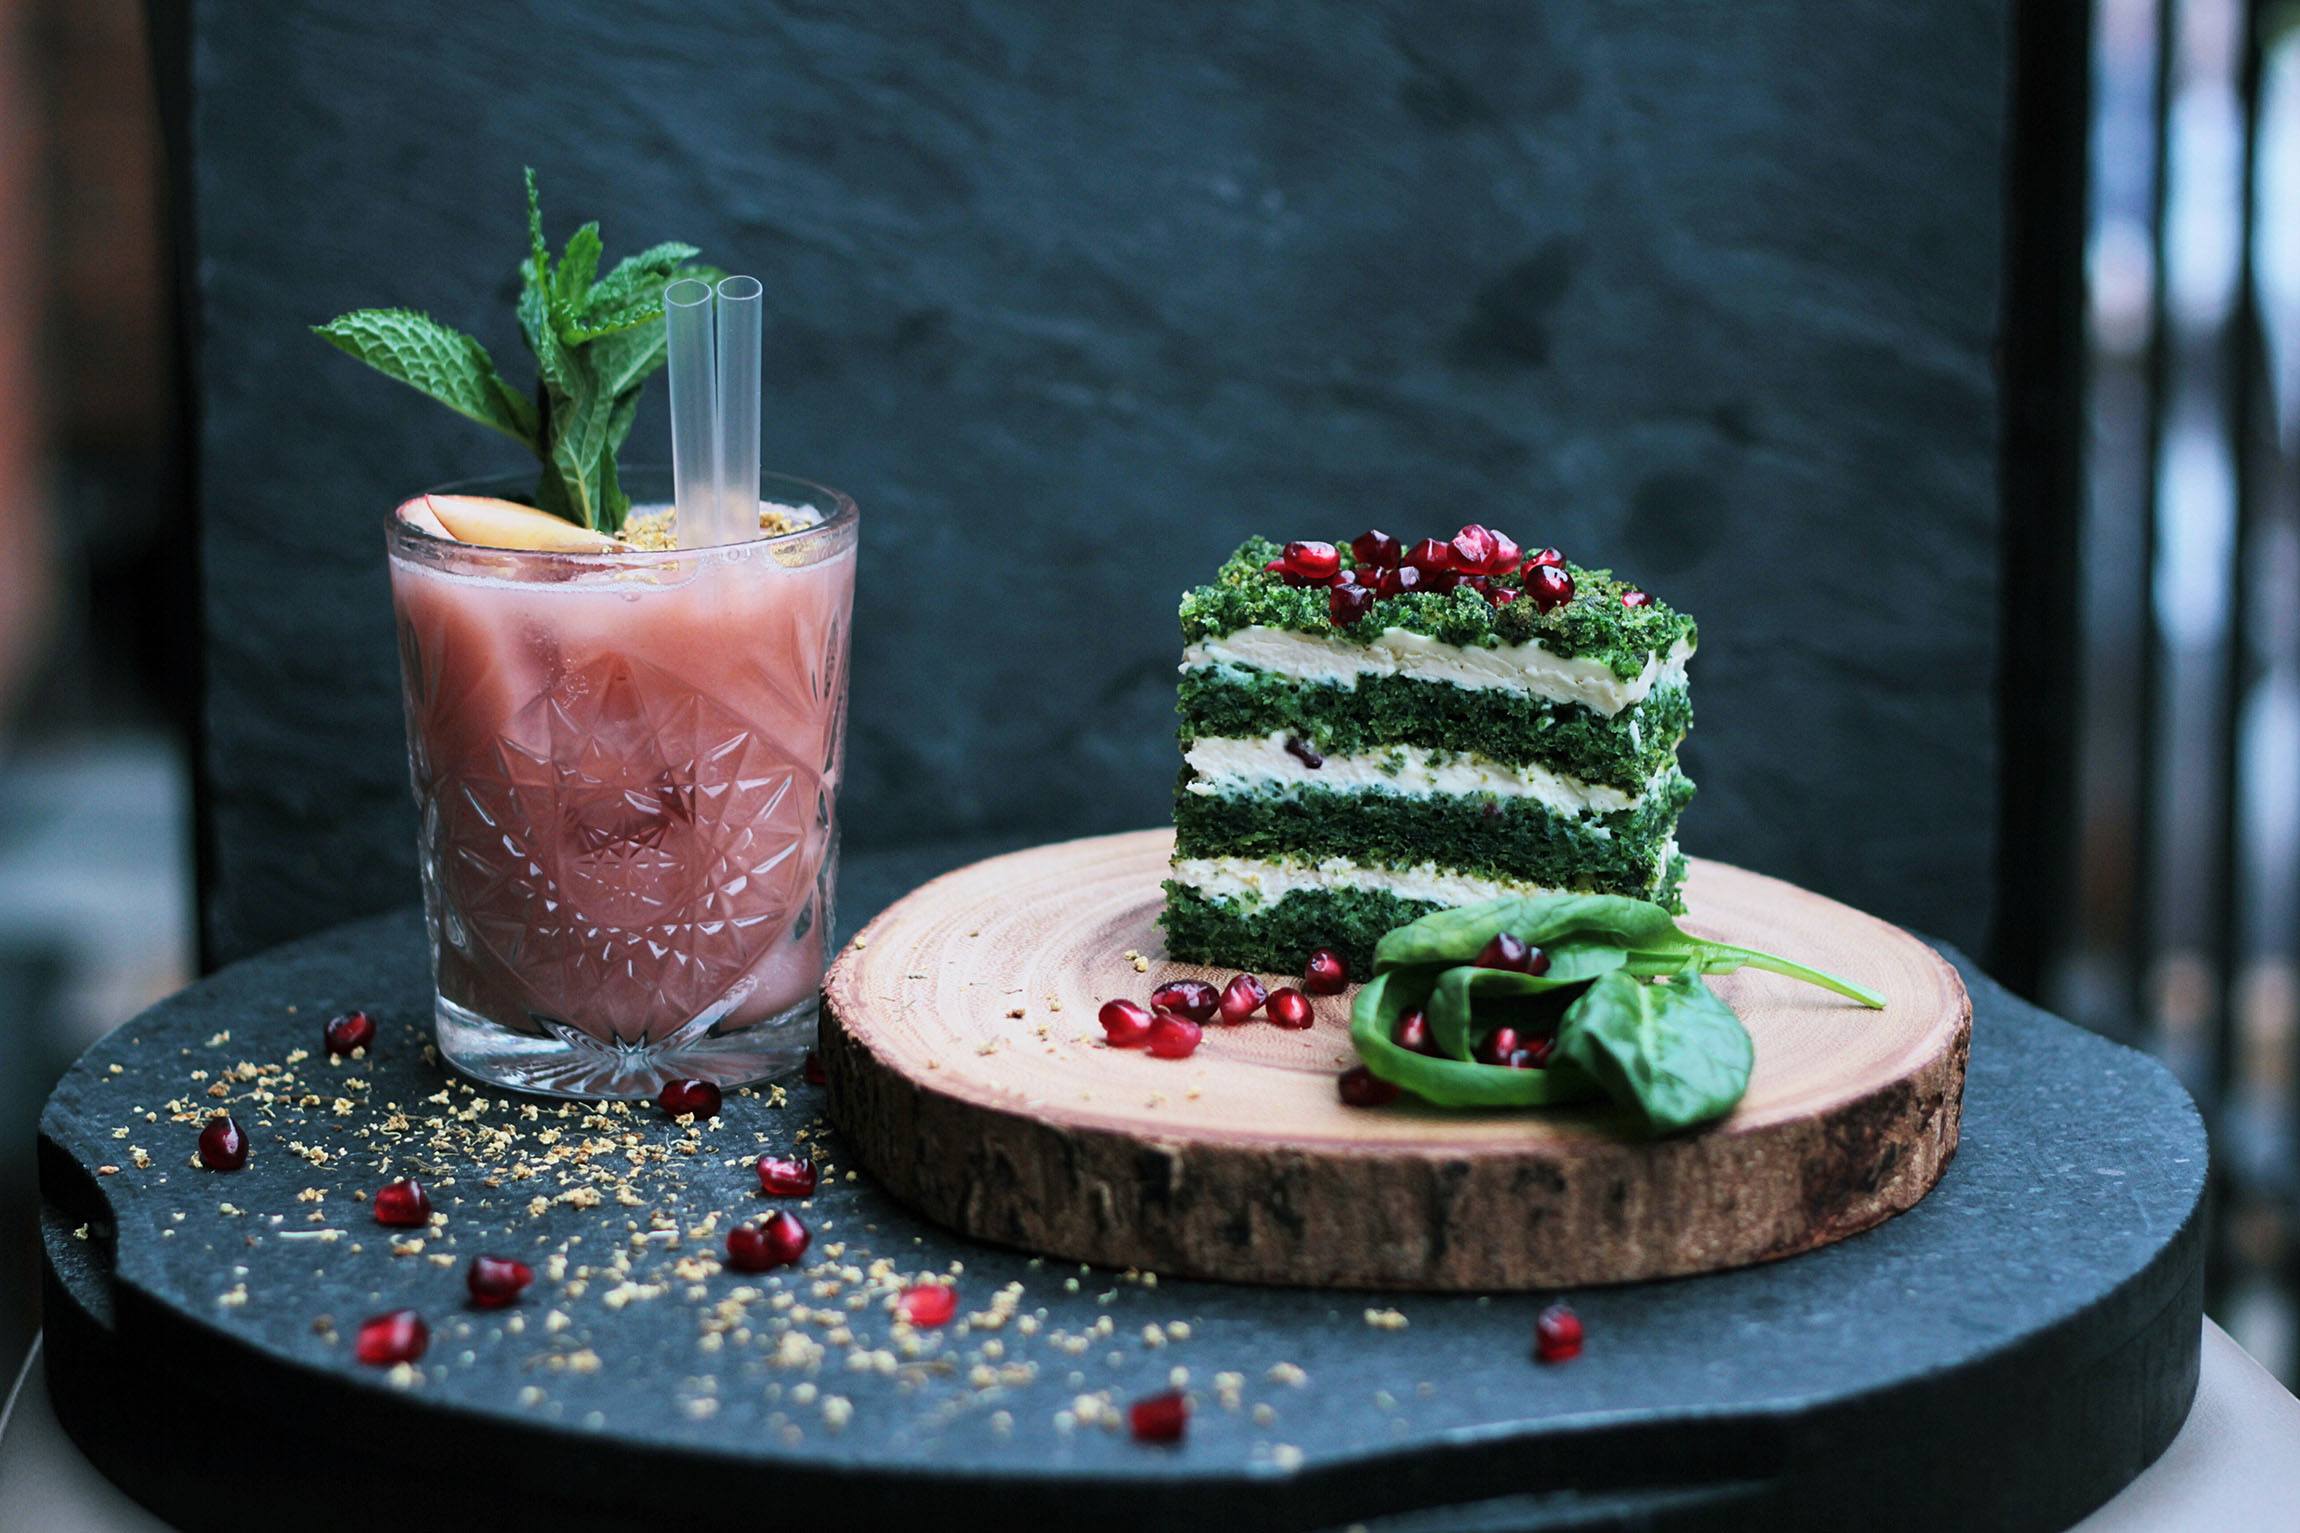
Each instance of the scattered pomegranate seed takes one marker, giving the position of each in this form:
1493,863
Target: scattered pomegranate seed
1502,596
1496,1047
1326,972
1290,1008
1124,1023
223,1147
1360,1087
1547,556
352,1030
679,1098
1636,599
1301,751
1159,1418
1413,1032
1549,586
1193,998
1557,1335
1430,556
403,1204
1535,1055
786,1178
1473,548
495,1281
1346,603
928,1304
1507,950
1506,553
1375,549
775,1241
1312,561
1241,998
812,1070
1399,580
397,1337
1173,1037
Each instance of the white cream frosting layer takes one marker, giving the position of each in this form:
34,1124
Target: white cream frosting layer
1529,667
1232,766
1256,880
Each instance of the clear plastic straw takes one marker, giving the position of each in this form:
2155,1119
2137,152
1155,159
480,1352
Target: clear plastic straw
742,303
694,431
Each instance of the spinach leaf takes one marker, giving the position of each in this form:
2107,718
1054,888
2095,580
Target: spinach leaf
1450,997
1668,1050
1448,1082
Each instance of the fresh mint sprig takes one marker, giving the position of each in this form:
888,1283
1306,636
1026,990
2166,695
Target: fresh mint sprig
596,340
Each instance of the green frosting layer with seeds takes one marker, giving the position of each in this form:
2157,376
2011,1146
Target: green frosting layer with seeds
1227,702
1276,938
1480,835
1594,624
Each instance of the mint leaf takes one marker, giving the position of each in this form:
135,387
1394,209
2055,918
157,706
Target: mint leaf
572,283
440,361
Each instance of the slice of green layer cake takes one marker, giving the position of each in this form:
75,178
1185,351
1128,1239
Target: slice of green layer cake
1376,731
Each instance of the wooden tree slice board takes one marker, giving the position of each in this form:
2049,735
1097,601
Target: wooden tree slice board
968,1072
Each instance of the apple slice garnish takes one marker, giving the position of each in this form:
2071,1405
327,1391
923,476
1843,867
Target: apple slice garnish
492,523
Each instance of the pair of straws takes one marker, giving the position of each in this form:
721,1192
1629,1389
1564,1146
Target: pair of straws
713,335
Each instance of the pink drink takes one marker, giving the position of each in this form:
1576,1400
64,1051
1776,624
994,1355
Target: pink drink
627,770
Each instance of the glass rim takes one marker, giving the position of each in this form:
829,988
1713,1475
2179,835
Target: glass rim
399,531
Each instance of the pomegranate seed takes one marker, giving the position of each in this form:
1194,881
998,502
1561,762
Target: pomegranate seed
1535,1054
1301,751
1636,599
1159,1418
812,1070
1375,550
1473,548
1506,553
1173,1037
786,1178
1124,1023
223,1147
1241,998
1346,603
1496,1047
1507,950
1326,972
1274,567
1193,998
397,1337
1549,586
1557,1335
680,1098
1442,581
1430,556
1399,581
495,1281
1312,561
1360,1087
352,1030
775,1241
1290,1008
1413,1032
1478,583
928,1304
1547,556
1502,596
403,1204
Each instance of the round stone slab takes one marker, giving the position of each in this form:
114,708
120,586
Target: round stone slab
968,1071
2008,1353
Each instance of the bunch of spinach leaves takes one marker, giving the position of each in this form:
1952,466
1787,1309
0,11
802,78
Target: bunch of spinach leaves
1642,1028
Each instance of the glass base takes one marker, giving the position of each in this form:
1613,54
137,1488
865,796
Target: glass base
567,1063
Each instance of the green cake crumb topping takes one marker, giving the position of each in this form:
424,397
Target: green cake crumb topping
1594,624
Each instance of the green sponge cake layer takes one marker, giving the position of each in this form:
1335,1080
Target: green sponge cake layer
1516,840
1274,936
1624,750
1358,754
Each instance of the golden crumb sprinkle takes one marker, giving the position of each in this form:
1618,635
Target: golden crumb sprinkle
1385,1319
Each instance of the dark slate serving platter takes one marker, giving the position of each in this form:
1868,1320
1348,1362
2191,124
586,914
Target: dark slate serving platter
2007,1355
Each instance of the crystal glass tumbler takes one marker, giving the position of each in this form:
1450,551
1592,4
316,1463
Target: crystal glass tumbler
626,767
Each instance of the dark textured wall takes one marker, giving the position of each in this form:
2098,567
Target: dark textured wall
1704,291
